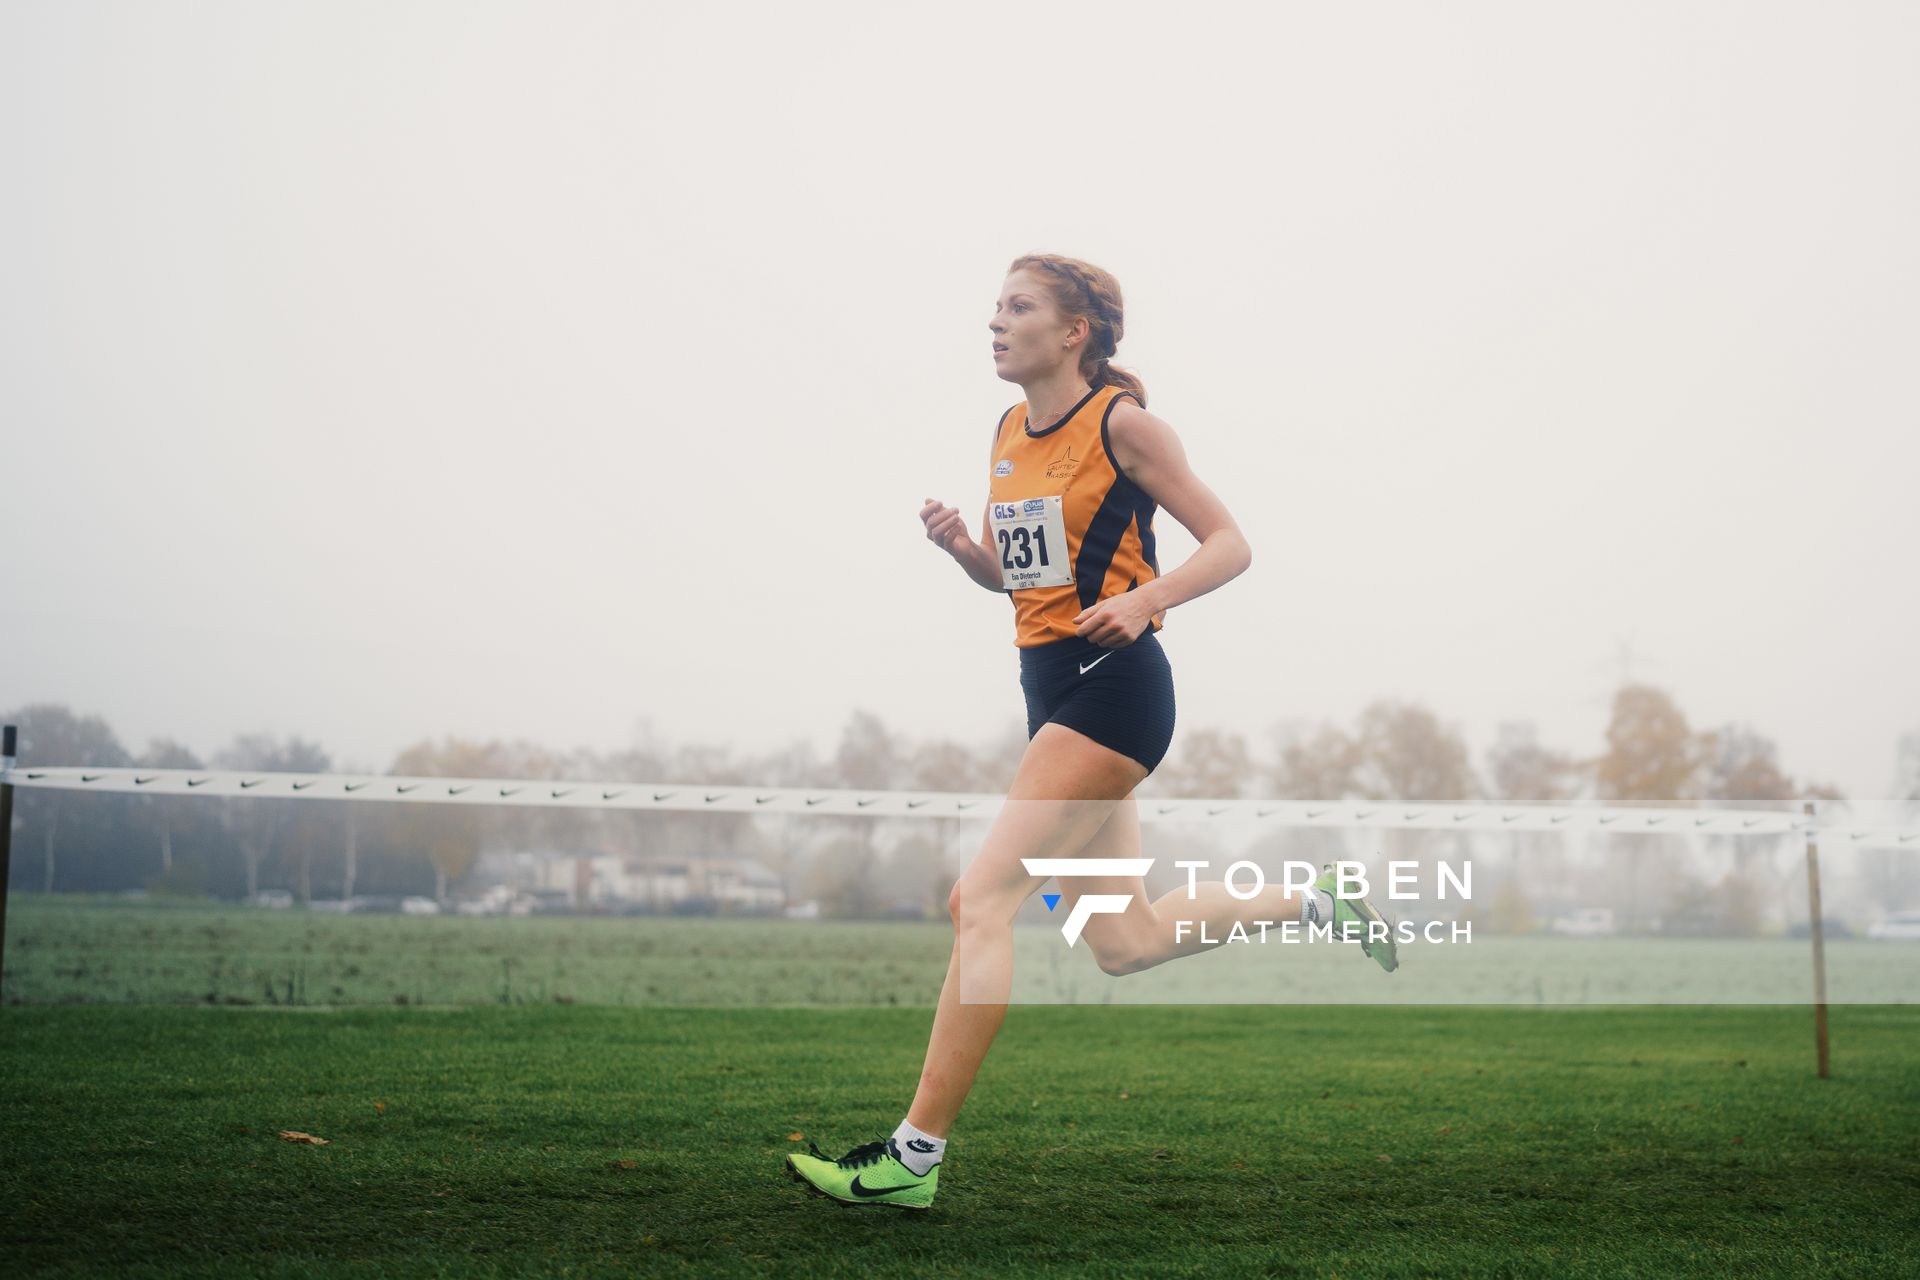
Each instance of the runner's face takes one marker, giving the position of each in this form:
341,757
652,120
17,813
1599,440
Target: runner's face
1029,327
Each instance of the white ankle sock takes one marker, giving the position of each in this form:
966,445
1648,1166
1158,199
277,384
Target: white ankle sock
1316,907
918,1151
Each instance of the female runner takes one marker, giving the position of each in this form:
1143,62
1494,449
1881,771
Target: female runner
1078,469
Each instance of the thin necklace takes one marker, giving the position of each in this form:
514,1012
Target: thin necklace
1062,414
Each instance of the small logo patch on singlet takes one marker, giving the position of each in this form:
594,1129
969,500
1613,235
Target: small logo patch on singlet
1004,467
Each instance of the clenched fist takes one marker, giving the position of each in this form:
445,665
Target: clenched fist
946,527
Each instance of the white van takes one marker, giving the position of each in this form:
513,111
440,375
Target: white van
1901,926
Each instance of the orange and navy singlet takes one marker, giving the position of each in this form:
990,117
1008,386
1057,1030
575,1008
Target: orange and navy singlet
1070,527
1072,530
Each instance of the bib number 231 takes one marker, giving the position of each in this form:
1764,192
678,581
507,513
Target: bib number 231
1032,537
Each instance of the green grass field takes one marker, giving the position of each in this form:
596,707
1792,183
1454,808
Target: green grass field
594,1139
70,949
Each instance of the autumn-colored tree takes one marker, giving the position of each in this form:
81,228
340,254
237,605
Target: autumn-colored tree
450,835
1652,757
1406,754
1742,770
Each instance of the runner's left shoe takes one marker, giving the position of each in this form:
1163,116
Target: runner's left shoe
1351,912
869,1174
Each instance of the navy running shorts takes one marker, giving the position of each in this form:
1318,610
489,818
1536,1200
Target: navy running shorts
1121,698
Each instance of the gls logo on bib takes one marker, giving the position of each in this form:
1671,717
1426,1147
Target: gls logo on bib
1032,537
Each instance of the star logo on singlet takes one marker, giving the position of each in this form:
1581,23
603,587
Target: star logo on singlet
1064,466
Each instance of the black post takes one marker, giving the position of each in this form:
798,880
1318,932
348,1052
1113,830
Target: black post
7,740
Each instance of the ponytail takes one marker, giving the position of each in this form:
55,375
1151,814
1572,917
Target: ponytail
1109,375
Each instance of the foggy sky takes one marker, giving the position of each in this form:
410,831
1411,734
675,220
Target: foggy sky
383,371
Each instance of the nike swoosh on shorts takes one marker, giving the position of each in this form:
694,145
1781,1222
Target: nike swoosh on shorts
1096,662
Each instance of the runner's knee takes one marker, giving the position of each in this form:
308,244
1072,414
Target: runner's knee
1117,949
978,904
1118,960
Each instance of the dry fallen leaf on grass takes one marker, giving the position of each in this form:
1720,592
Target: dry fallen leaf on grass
795,1136
294,1135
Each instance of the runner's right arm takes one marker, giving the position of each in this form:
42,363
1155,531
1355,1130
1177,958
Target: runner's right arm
947,529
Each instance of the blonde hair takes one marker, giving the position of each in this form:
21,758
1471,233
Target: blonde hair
1082,289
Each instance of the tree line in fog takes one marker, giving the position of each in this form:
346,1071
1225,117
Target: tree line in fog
1392,751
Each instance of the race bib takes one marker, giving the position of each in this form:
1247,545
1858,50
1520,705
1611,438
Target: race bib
1032,537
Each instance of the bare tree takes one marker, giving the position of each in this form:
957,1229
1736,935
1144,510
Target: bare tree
256,824
1210,762
1319,762
1521,771
51,733
165,753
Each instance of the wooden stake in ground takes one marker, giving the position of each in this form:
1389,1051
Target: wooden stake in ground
1818,932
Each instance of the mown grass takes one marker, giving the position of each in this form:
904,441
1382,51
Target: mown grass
1136,1140
73,948
70,949
616,1096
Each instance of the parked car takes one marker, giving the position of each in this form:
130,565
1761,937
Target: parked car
1830,927
1587,922
418,906
1901,926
